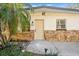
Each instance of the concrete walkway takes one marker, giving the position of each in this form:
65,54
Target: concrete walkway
67,48
64,48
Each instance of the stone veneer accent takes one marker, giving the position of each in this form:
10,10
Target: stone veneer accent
50,35
66,36
25,36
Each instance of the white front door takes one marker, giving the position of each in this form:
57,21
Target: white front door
39,29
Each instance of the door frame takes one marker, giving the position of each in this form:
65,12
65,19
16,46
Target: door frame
43,27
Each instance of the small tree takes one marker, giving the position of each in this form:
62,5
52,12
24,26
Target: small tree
12,17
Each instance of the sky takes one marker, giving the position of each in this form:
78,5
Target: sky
63,5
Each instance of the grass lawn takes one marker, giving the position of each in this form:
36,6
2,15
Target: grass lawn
13,51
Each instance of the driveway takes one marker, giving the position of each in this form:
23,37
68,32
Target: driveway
67,48
64,48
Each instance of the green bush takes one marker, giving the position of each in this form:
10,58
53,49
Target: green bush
13,51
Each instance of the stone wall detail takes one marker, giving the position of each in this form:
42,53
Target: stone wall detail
66,36
50,35
25,36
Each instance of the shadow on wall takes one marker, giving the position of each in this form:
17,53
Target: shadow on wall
25,36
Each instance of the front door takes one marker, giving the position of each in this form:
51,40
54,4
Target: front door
39,29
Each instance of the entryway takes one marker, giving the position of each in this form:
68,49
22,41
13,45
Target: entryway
39,29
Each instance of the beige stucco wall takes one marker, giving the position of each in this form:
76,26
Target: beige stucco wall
72,19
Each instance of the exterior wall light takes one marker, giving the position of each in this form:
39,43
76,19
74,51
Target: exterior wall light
43,13
32,23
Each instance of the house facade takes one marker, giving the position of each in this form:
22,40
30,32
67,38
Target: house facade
48,20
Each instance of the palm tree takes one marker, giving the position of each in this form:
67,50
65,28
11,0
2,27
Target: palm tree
14,18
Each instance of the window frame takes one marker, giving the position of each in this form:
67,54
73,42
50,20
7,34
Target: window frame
60,24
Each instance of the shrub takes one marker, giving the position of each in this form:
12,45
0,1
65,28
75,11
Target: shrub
13,51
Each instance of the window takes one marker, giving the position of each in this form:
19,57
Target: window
60,24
